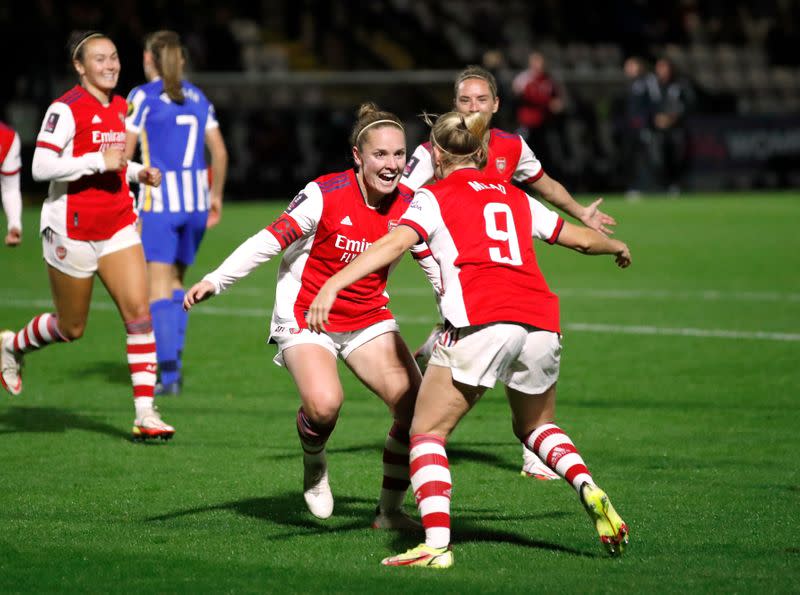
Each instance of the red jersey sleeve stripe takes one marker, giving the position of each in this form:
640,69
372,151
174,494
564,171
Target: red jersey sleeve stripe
10,173
532,179
285,229
45,145
423,236
556,232
421,255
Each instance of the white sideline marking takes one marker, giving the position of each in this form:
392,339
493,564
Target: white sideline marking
265,313
709,295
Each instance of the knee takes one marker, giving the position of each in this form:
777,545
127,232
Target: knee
322,408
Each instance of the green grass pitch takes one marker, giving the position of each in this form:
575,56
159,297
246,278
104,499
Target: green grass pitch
679,385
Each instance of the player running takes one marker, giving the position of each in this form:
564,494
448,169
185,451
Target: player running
510,159
331,221
479,228
87,226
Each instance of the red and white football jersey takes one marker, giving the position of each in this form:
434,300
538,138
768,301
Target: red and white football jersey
89,205
479,229
10,161
510,158
326,226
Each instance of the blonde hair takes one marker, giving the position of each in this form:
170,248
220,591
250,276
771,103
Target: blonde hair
370,116
460,137
168,59
476,72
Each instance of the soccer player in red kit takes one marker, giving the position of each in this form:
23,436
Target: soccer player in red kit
331,221
10,165
479,228
510,159
87,226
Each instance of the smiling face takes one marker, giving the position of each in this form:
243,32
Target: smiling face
99,67
475,95
381,160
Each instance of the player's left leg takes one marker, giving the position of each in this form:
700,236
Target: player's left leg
441,404
123,272
385,365
533,416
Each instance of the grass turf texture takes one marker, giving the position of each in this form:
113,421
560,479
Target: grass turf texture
693,437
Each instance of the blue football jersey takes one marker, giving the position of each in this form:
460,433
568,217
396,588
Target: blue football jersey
172,138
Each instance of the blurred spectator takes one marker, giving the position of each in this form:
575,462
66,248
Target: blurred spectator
637,157
540,105
675,101
495,62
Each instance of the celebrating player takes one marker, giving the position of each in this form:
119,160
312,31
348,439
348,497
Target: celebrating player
510,159
479,228
87,226
331,221
173,122
10,164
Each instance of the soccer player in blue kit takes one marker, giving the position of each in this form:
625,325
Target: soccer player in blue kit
173,122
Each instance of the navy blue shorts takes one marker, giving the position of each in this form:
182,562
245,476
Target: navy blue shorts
172,237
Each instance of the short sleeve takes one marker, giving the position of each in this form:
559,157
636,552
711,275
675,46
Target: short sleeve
419,169
58,128
529,169
547,224
423,215
136,110
211,119
13,161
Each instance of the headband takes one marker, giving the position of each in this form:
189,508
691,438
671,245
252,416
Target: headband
82,41
375,123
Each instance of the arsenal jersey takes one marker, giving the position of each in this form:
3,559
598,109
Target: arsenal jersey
95,205
479,229
325,227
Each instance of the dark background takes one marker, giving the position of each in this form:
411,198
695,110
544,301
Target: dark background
287,76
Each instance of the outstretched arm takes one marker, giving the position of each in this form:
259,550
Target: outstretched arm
380,254
589,241
558,196
252,252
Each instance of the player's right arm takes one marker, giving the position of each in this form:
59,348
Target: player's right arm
548,226
300,218
10,191
58,129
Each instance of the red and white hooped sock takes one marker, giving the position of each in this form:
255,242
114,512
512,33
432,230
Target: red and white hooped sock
39,332
395,469
557,451
141,348
432,485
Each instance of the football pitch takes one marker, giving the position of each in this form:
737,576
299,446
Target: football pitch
680,385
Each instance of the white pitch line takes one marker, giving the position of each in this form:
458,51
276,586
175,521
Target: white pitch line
708,295
265,312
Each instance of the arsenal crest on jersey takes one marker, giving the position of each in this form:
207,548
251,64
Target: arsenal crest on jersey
500,164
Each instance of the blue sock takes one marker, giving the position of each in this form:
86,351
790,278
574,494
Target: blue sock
181,319
166,348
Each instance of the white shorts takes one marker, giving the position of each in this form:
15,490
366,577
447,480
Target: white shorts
78,258
339,344
521,357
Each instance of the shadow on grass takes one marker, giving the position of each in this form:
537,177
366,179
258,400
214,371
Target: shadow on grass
456,455
356,514
350,514
113,372
52,420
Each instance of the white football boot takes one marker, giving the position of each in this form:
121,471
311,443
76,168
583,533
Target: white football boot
150,425
532,466
316,489
10,364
